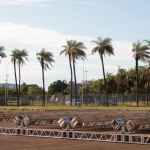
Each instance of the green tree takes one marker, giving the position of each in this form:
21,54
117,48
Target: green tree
140,53
103,47
14,56
130,80
120,79
111,83
67,91
95,86
2,90
45,58
10,91
34,90
86,89
23,88
57,86
146,82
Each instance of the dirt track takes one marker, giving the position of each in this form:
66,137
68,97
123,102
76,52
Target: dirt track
8,142
34,143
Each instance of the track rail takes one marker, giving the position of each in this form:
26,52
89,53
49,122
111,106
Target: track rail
77,135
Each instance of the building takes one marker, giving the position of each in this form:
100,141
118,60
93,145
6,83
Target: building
9,85
78,85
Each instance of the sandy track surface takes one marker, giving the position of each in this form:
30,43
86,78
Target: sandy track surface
8,142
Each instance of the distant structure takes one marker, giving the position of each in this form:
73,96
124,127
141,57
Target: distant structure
78,85
9,85
65,81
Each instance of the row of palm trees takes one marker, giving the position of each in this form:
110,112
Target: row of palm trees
124,82
18,57
104,47
75,50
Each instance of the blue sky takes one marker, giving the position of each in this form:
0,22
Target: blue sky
37,24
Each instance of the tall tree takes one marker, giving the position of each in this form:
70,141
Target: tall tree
97,86
103,47
130,80
14,56
140,53
34,90
148,73
67,51
23,88
111,83
120,79
77,53
45,58
57,86
21,54
2,54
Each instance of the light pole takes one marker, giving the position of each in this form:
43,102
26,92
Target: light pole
83,79
7,87
118,85
85,83
82,82
6,84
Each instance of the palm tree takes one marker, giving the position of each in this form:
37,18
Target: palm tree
109,80
146,82
14,56
103,47
120,79
20,61
68,52
96,86
77,53
45,58
2,54
148,74
130,80
140,53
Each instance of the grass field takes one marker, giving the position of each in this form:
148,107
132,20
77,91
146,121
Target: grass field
73,107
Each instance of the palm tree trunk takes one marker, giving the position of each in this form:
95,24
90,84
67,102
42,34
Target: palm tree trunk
71,80
117,91
16,81
75,81
101,56
147,93
19,82
43,82
137,82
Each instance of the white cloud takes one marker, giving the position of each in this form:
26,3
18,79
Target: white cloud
123,50
42,38
34,39
53,40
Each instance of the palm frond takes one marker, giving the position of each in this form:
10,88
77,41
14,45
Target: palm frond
47,58
2,54
103,46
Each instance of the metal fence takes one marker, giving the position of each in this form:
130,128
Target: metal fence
89,99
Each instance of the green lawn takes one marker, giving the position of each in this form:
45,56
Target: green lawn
73,108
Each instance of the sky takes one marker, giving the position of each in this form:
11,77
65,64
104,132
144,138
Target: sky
37,24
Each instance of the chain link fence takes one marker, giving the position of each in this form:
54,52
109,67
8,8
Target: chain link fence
89,99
